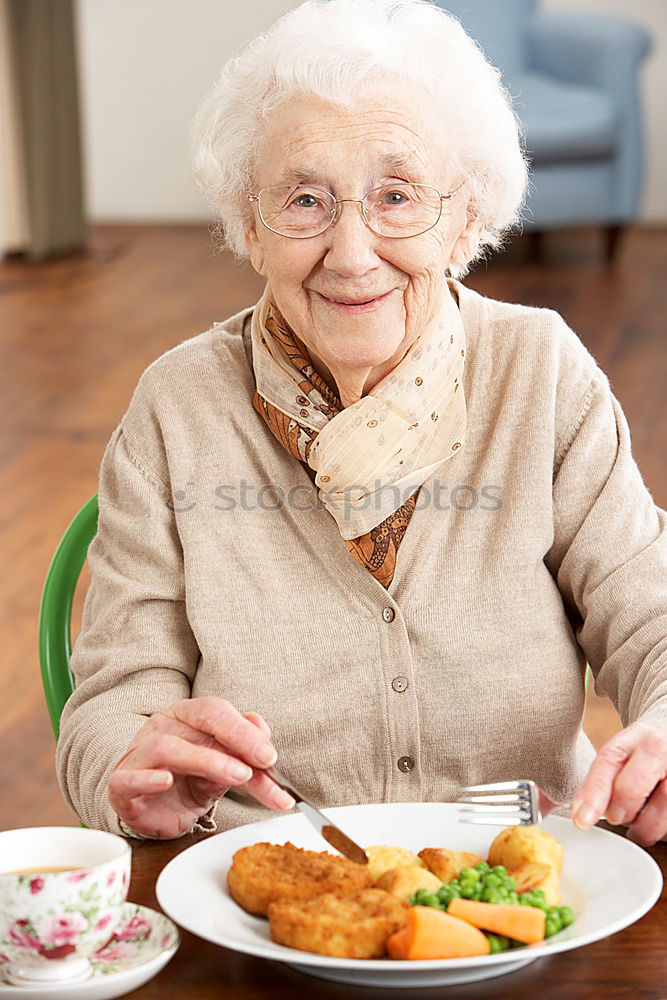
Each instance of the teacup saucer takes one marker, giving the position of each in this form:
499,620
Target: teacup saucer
142,945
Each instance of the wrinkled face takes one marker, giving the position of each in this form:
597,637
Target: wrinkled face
392,133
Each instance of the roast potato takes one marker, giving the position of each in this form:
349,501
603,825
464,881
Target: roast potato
446,865
521,845
404,881
535,875
382,859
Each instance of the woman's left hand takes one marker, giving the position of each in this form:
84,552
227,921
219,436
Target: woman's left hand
627,784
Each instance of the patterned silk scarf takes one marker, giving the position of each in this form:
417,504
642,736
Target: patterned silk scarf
370,457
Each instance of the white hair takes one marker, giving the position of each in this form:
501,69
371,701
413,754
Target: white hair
330,48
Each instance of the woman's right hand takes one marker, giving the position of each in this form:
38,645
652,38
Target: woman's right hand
184,759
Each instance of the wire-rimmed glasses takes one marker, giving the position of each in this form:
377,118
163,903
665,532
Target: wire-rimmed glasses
396,211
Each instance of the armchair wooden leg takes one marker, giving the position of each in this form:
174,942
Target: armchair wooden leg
536,245
613,236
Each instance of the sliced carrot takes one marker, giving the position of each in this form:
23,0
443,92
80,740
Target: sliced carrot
522,923
431,933
398,943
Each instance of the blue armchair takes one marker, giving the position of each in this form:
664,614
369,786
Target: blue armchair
574,80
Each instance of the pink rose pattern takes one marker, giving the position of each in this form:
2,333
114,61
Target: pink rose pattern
114,951
61,930
56,937
136,929
20,936
78,876
138,937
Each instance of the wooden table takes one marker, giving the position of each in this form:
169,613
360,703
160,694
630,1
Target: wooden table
629,964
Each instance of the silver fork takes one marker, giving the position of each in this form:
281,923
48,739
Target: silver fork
505,803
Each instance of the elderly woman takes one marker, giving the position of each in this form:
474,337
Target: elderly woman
376,522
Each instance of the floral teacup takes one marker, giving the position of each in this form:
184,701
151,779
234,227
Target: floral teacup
62,891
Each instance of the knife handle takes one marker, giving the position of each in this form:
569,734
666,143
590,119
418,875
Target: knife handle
281,780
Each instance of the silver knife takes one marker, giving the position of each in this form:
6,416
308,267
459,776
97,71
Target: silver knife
339,840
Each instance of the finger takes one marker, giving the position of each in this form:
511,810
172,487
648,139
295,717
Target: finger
258,721
130,810
190,759
125,784
204,793
650,826
593,796
633,785
218,718
266,791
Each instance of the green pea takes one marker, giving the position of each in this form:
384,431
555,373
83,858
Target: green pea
483,866
494,943
498,943
469,874
430,899
566,916
499,870
553,922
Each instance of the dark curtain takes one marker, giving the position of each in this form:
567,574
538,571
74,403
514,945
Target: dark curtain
44,46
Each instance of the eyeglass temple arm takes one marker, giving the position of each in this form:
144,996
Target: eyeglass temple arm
450,194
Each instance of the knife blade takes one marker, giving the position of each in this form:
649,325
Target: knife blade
326,829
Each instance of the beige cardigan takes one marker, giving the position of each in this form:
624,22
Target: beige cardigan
216,572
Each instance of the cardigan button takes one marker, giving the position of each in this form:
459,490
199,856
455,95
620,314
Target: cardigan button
388,614
405,764
399,684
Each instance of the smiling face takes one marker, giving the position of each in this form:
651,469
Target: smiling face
349,151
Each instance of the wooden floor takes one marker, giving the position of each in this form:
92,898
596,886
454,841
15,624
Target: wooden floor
76,333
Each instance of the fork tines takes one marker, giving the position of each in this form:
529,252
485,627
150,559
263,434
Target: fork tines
508,803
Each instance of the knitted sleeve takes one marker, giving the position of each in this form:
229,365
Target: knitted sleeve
609,558
136,652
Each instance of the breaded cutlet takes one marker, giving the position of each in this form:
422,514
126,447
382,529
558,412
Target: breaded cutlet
355,926
263,873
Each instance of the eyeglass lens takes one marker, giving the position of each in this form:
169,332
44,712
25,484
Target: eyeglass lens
392,210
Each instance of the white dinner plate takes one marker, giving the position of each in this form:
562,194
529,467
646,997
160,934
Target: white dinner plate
607,880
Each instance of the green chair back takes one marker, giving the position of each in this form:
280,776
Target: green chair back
55,613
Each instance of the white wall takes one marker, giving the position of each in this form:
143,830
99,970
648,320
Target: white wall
146,64
144,67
